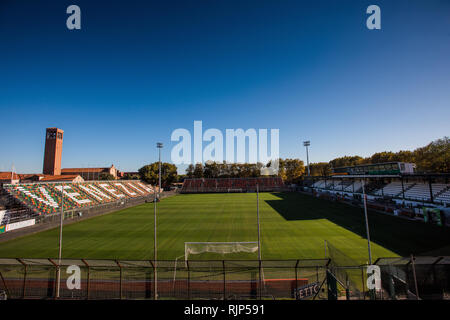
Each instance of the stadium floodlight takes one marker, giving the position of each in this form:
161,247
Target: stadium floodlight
159,145
307,144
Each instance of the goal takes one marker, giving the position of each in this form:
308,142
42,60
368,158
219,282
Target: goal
234,190
191,248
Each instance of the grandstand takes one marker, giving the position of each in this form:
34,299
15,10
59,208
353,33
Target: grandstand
444,195
35,200
418,191
438,194
413,191
46,198
205,185
401,183
393,189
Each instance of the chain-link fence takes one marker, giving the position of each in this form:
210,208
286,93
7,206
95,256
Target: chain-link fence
114,279
349,275
400,278
415,277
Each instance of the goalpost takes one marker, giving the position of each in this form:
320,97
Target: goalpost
238,190
196,248
219,247
227,247
191,248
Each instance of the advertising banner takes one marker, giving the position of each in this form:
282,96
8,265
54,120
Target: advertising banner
19,225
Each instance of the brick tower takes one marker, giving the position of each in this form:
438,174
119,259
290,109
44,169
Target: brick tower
53,151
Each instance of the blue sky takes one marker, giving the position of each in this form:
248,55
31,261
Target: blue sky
137,70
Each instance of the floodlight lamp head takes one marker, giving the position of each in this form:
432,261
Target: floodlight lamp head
306,143
159,145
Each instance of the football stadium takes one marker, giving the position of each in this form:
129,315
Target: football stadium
225,238
223,153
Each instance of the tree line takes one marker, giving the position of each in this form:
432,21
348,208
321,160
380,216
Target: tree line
289,169
432,158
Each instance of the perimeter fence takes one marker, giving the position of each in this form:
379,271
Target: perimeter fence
317,279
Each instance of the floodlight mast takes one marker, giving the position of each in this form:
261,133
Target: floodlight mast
307,144
159,145
58,276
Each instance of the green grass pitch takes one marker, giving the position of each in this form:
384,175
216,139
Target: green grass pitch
293,226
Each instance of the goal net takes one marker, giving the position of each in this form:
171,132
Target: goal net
234,190
191,248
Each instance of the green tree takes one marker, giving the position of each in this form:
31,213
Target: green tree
405,156
198,170
381,157
290,170
190,171
106,176
129,176
211,169
320,169
346,161
434,157
149,173
224,170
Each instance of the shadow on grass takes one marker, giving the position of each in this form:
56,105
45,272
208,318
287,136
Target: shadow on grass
404,237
